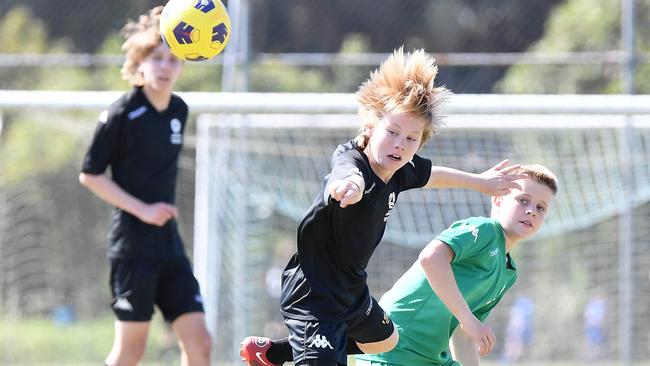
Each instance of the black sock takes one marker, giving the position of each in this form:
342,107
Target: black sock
351,348
280,351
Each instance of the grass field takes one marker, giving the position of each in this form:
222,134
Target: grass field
36,342
42,342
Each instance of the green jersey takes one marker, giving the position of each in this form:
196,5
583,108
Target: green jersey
483,273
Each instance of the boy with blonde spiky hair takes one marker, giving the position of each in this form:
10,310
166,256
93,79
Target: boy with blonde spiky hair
325,300
460,277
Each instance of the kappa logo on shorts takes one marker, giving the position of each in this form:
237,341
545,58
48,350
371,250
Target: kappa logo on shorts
320,341
122,303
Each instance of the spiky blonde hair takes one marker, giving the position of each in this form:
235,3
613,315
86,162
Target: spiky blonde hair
403,83
141,38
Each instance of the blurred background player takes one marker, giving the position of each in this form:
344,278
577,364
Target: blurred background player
460,277
594,326
326,303
140,137
519,332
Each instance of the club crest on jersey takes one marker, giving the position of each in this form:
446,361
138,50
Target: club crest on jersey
391,203
175,138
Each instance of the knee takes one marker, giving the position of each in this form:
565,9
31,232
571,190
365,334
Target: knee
131,355
198,348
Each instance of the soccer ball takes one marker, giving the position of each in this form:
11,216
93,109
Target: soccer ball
195,30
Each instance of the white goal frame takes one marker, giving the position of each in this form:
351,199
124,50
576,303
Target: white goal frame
341,104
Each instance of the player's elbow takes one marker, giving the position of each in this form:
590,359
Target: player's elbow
434,254
83,179
86,179
425,259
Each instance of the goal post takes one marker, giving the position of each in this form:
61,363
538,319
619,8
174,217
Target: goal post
260,160
259,168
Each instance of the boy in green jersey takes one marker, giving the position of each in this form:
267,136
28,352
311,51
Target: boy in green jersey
439,304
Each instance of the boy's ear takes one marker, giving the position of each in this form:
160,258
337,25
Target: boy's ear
496,200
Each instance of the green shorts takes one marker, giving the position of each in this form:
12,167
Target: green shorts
359,362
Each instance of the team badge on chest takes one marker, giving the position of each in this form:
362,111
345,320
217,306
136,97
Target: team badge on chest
175,138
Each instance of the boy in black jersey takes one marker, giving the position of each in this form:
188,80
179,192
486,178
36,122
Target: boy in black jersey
325,302
140,137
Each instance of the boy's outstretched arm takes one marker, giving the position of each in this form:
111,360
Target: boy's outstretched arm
463,349
435,260
347,191
495,181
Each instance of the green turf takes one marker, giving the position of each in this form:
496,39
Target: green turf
42,342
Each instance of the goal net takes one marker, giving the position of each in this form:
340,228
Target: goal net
583,286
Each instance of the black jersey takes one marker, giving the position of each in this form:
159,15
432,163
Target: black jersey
326,278
141,145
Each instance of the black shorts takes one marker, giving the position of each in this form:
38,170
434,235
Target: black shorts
138,284
326,341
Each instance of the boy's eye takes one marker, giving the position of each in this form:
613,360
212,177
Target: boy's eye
413,139
523,201
541,209
391,132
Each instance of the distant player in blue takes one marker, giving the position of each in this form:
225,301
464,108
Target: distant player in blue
519,332
460,277
594,320
140,137
326,303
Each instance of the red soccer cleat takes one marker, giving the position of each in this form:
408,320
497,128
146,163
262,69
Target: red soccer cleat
253,351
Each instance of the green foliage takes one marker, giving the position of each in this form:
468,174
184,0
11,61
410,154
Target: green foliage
17,23
14,26
41,341
578,25
348,78
33,148
341,78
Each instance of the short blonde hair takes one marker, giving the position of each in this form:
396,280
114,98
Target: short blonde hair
540,174
141,38
403,83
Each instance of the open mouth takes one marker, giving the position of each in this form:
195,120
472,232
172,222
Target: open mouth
394,157
526,222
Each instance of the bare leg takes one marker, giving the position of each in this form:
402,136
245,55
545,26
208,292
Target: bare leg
129,343
193,339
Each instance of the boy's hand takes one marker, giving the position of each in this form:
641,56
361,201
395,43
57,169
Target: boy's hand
345,191
482,335
158,213
498,180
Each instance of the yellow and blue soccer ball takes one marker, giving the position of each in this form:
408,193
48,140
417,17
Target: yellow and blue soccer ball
195,30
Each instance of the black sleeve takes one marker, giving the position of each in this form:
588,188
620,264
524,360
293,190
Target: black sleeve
347,161
416,173
102,149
